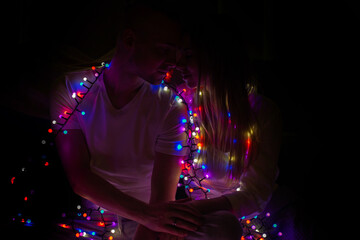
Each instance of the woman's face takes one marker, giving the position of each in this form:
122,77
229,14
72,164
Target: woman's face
188,63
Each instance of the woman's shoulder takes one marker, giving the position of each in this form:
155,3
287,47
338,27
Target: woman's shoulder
263,107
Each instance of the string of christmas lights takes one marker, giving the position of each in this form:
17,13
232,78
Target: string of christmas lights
93,223
78,97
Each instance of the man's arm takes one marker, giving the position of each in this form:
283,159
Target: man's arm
75,158
165,177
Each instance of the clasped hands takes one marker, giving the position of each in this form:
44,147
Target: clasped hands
173,220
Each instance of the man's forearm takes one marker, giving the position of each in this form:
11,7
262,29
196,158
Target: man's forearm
102,193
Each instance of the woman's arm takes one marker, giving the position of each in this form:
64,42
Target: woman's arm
206,206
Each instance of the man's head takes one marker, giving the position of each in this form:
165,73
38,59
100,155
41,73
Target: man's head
148,42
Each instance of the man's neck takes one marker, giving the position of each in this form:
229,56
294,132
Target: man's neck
121,86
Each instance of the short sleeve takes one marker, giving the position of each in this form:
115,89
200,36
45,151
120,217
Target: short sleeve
172,139
62,105
258,182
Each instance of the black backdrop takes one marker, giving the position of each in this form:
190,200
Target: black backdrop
294,46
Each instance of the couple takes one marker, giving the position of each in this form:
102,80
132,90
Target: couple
122,156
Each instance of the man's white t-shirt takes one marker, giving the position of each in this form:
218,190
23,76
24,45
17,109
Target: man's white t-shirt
122,142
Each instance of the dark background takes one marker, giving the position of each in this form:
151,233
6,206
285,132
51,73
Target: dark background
301,50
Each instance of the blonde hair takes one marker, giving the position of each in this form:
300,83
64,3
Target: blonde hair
227,120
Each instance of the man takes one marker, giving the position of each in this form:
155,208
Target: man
120,151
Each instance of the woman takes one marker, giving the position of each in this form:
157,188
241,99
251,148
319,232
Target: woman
240,130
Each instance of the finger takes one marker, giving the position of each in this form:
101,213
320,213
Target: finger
186,208
186,225
175,231
188,217
182,200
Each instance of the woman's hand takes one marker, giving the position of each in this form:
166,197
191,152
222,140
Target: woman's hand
166,236
174,218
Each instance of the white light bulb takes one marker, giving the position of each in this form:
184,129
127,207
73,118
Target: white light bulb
73,95
85,79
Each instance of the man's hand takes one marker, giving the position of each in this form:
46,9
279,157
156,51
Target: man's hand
173,218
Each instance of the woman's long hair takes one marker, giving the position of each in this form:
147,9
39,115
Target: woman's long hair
227,120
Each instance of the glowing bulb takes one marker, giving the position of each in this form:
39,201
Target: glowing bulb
166,88
238,189
83,113
200,93
85,79
195,160
179,147
112,231
197,129
78,207
54,122
183,120
101,224
65,131
73,95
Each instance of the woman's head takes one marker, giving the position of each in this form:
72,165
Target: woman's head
219,66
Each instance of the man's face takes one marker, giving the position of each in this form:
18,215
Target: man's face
155,48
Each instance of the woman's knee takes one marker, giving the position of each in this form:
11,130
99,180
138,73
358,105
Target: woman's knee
231,225
228,226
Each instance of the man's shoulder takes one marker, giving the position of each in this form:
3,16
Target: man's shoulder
164,98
